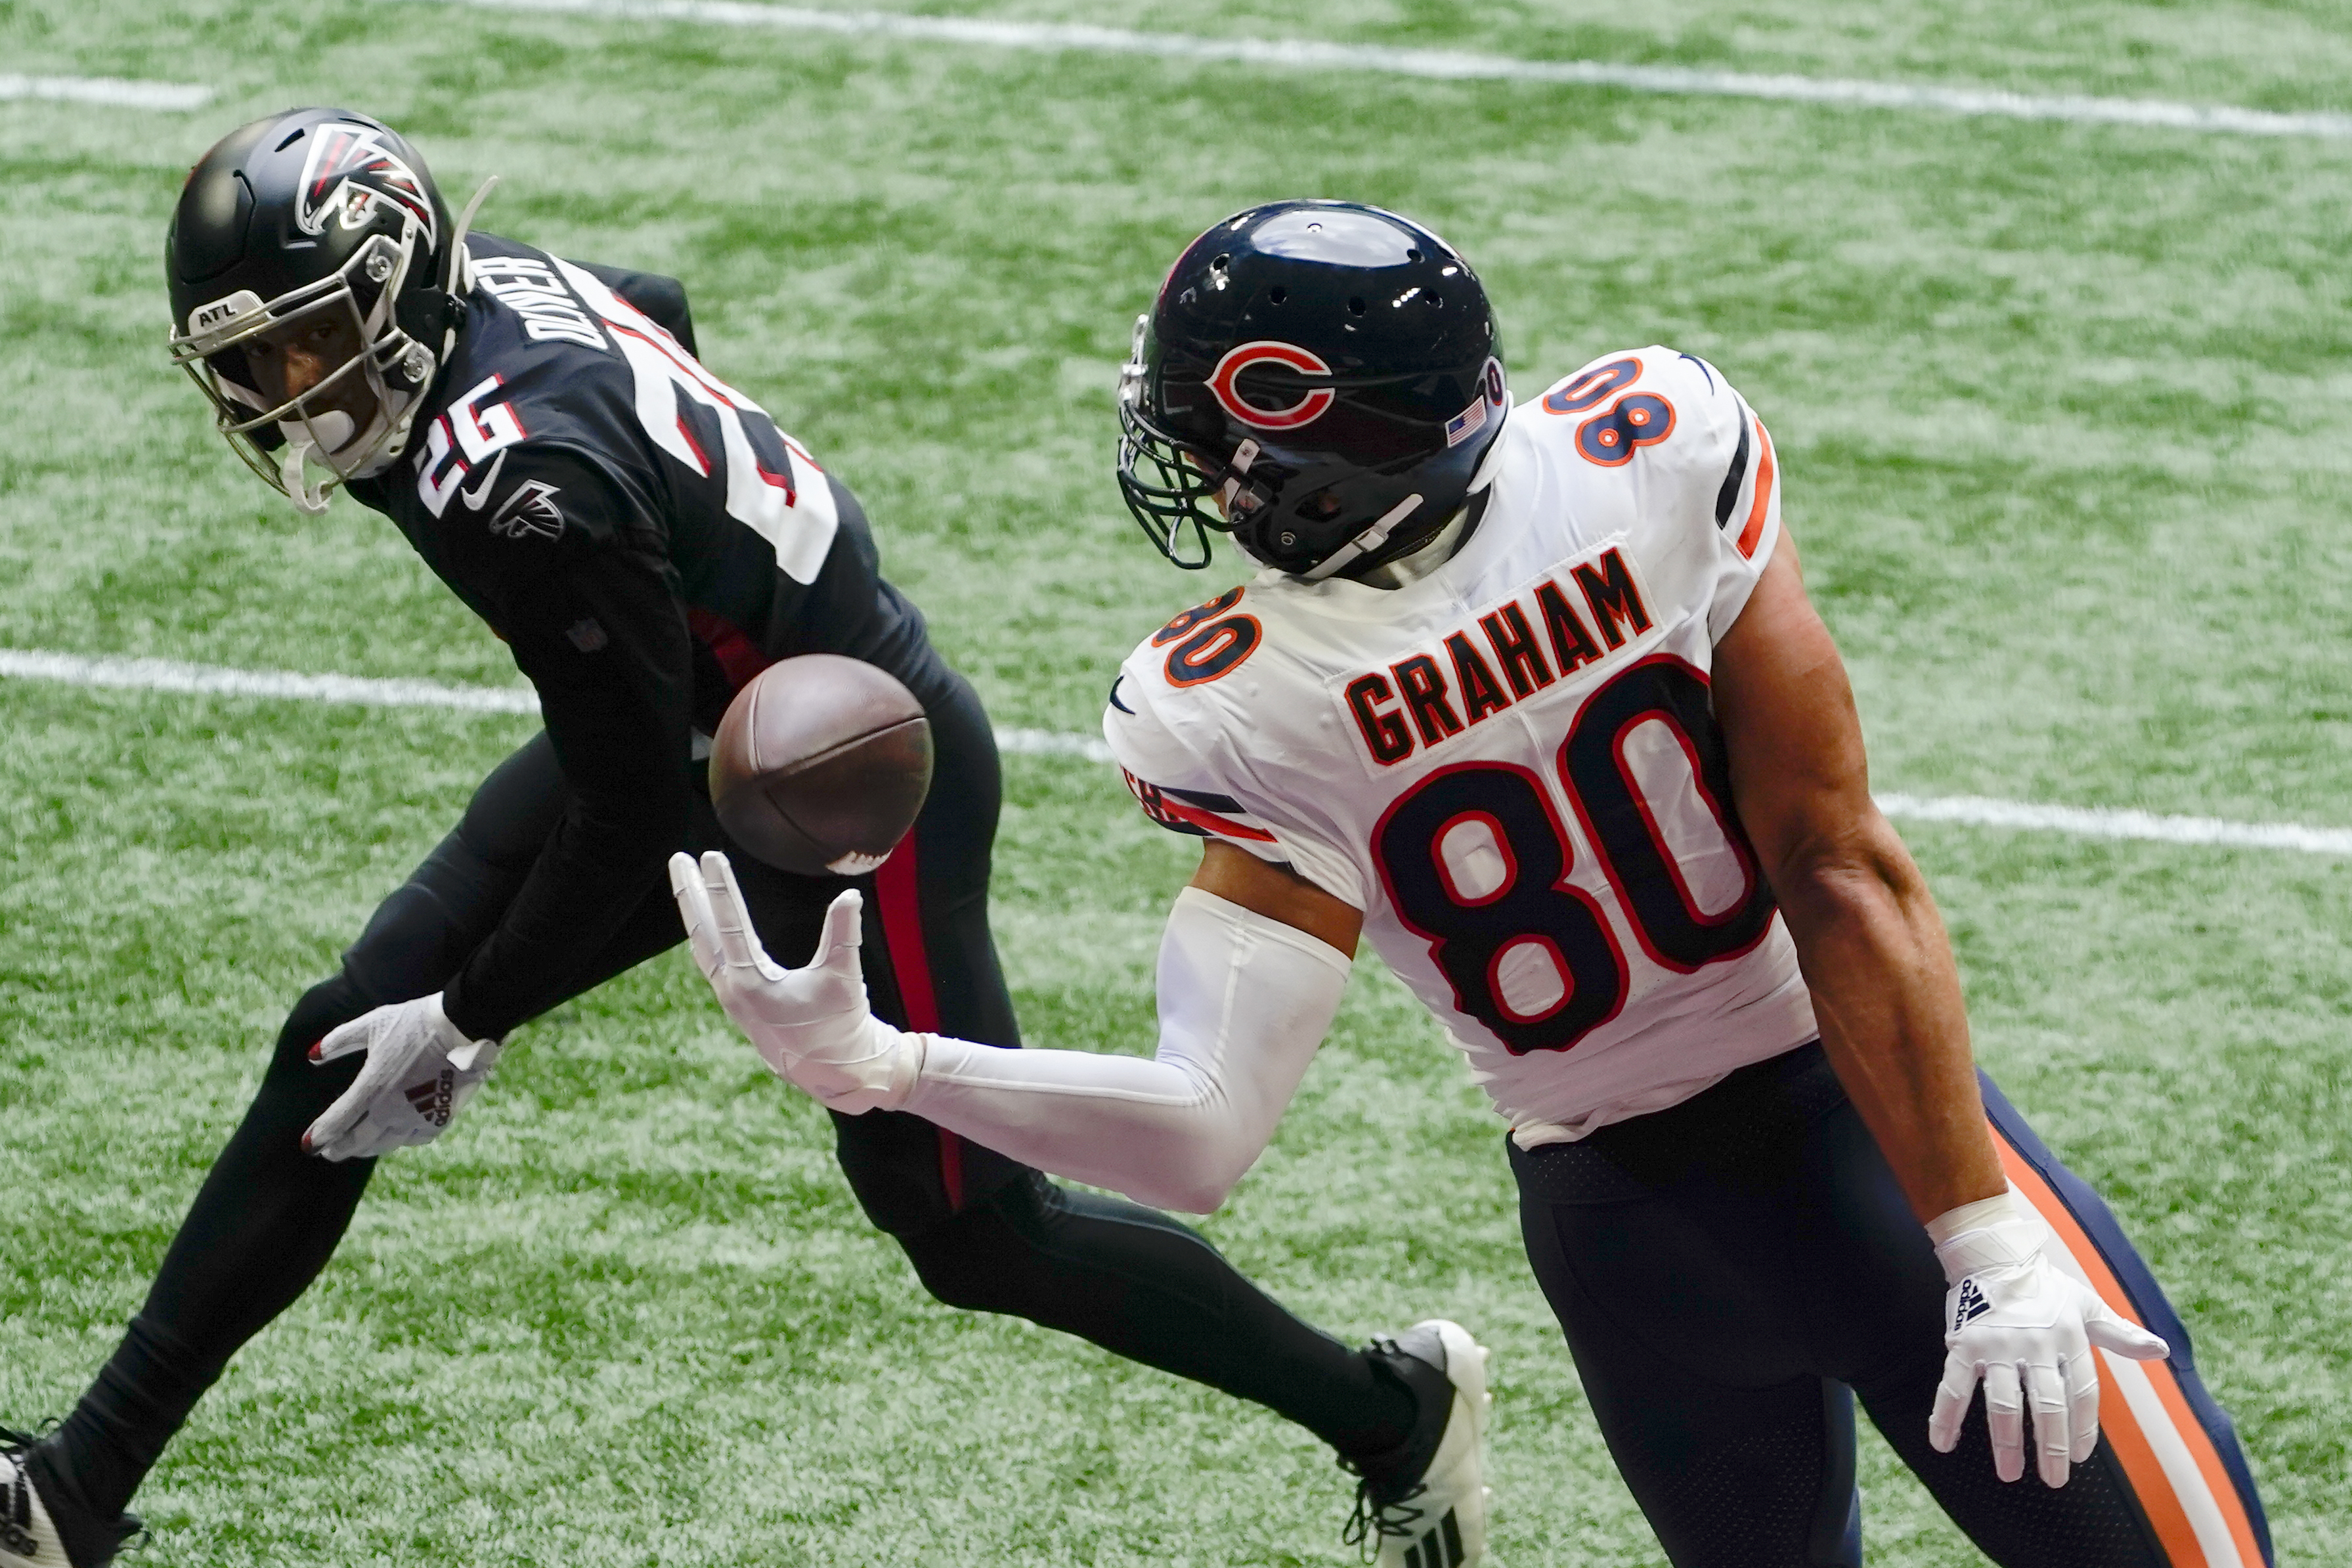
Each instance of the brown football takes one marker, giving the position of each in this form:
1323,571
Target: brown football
821,765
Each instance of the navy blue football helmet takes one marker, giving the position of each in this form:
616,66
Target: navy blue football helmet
1318,379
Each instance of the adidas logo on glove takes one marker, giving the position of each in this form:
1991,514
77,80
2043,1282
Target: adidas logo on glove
436,1099
1969,1305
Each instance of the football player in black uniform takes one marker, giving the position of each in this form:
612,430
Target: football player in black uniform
644,540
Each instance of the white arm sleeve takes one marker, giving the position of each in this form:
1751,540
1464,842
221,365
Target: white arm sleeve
1243,1004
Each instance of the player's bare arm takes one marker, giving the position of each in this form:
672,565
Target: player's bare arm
1278,893
1886,991
1887,996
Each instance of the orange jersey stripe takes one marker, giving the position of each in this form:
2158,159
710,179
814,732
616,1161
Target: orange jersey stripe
1201,817
2149,1483
1754,529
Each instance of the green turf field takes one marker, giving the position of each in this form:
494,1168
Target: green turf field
2065,412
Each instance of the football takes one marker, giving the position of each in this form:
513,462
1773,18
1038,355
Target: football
821,765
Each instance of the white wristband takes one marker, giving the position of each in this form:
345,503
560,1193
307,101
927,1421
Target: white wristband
2001,1231
2002,1205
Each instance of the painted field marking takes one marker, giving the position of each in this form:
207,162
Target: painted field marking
2113,822
1979,811
1447,65
113,91
213,680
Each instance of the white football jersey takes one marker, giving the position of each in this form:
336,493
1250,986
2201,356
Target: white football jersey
1511,766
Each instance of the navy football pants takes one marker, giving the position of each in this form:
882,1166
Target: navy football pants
982,1232
1734,1272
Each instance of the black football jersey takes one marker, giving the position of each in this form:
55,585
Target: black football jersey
646,539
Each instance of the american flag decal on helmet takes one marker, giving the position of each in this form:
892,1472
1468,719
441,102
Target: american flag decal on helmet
1473,419
350,171
1467,423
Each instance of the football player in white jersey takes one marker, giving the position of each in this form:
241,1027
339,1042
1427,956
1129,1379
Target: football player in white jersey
1533,696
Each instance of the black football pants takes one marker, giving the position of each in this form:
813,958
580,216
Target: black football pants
1735,1272
983,1231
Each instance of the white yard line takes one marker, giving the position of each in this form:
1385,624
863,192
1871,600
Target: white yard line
2107,822
205,680
1053,743
211,679
1447,65
113,91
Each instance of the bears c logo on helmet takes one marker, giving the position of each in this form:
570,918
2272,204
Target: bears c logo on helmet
1244,356
349,172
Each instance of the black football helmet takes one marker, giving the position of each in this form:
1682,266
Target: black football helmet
1318,379
311,211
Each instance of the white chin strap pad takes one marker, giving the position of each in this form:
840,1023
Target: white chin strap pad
1364,543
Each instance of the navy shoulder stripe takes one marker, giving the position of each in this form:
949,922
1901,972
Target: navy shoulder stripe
1201,797
1728,496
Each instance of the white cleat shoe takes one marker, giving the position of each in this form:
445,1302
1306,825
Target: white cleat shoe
29,1536
27,1539
1440,1520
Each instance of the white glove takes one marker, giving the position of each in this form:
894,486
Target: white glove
812,1026
2015,1320
420,1072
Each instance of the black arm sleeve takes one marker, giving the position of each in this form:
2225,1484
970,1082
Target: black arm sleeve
601,634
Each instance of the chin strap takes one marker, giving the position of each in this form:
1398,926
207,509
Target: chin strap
1422,559
1364,543
459,281
1372,538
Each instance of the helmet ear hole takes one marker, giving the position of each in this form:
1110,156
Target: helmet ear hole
1276,295
1321,507
1356,306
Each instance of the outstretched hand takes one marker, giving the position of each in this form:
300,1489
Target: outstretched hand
812,1026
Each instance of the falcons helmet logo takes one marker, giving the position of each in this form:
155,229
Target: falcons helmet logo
530,512
350,174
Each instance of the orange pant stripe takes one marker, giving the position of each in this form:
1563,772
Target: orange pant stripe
2154,1486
